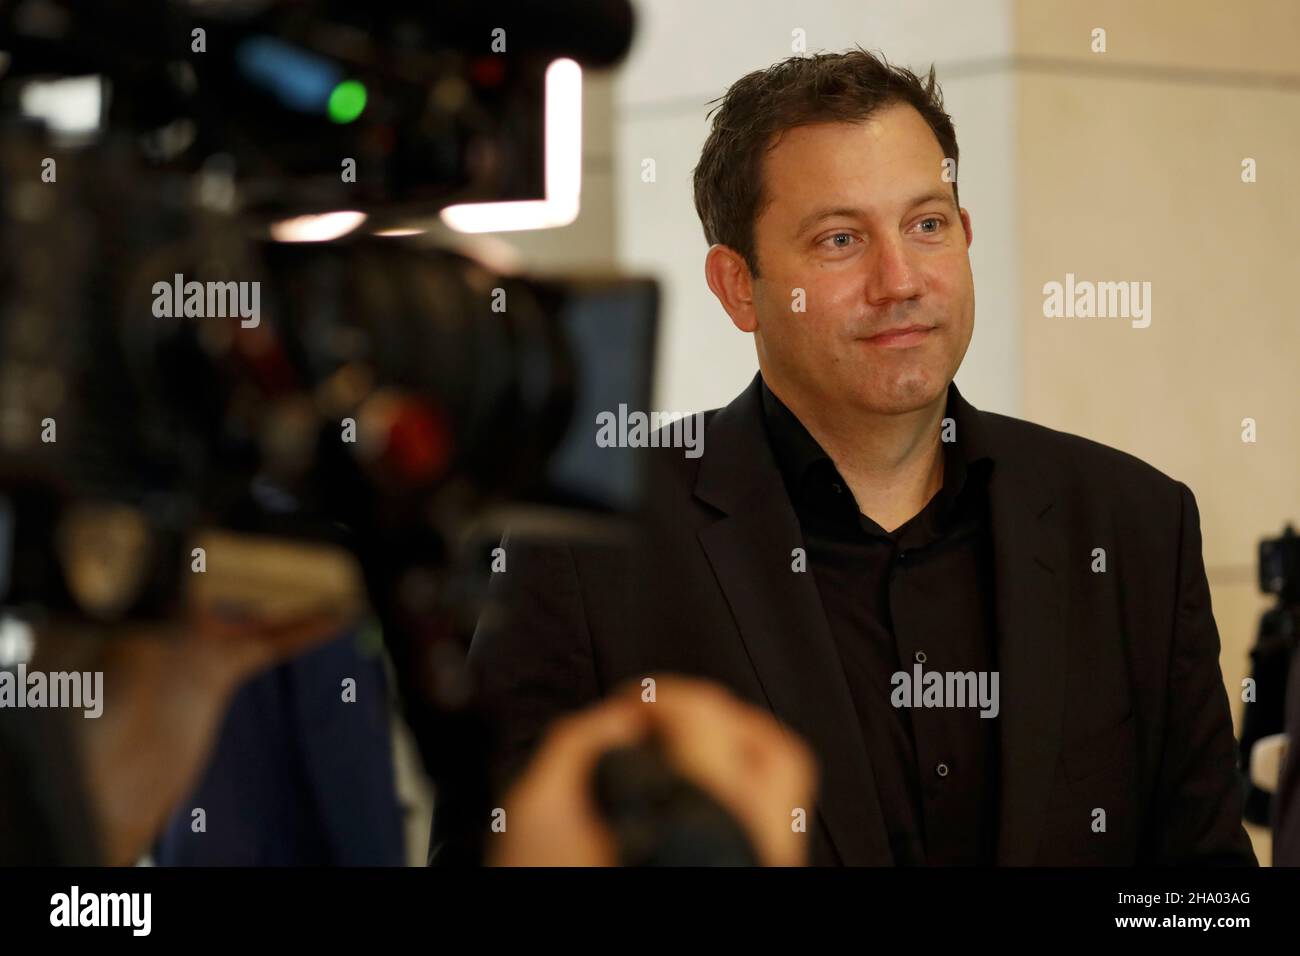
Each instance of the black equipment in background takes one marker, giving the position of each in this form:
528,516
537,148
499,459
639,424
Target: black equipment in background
1275,643
135,422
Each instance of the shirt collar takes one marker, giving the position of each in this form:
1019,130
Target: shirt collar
797,452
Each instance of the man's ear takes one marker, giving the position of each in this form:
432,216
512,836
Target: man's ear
965,224
729,278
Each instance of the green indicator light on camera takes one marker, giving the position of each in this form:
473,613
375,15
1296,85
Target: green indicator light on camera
347,101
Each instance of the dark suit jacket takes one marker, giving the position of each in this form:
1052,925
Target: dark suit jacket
1111,694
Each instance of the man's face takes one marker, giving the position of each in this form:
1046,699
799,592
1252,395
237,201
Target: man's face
860,219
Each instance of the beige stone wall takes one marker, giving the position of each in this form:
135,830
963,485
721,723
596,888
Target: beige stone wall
1130,168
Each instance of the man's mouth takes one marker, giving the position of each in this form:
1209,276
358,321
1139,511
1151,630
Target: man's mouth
902,337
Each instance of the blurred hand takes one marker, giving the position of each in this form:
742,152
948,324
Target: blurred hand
166,690
755,768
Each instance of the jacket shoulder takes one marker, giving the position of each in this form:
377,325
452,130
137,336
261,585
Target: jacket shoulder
675,452
1080,460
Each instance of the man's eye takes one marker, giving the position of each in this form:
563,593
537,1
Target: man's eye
837,235
938,224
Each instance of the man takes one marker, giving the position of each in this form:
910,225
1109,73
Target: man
996,638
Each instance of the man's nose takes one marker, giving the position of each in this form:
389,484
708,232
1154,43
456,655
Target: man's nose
892,276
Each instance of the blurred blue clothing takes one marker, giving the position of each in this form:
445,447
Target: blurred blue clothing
298,777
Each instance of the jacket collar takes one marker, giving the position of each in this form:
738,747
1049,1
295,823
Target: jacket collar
799,456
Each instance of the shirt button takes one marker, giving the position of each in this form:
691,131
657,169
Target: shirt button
839,490
942,770
919,657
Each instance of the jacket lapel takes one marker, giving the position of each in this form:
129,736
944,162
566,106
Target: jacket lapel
779,614
1030,582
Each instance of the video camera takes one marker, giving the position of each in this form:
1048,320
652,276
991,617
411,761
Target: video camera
239,311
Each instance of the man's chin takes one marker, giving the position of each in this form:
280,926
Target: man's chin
900,398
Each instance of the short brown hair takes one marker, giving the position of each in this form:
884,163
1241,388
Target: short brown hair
798,91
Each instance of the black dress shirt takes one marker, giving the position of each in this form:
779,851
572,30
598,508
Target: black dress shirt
921,594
